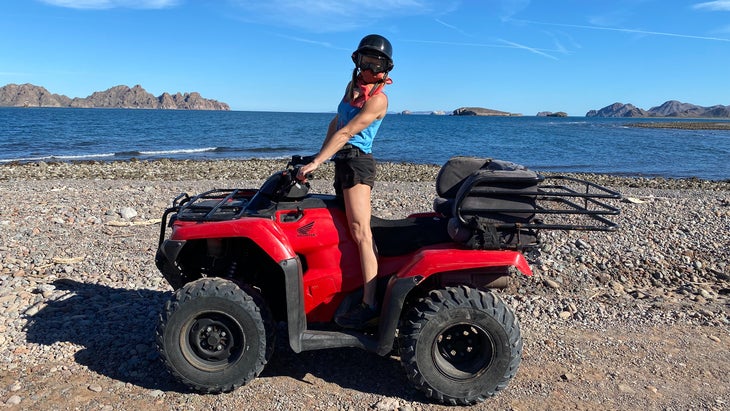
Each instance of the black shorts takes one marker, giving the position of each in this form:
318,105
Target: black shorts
352,171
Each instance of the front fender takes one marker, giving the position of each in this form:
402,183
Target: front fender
263,231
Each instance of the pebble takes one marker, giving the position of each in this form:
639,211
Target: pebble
14,400
386,404
128,213
626,389
552,284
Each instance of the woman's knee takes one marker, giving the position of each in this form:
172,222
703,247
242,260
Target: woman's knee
360,232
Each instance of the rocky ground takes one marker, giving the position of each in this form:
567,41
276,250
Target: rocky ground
636,319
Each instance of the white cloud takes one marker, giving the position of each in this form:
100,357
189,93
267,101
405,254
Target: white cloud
503,44
627,30
331,15
718,5
508,8
530,49
452,27
110,4
324,44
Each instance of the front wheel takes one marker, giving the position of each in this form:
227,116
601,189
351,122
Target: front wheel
215,336
460,345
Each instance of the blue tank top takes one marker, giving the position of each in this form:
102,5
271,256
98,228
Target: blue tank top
364,139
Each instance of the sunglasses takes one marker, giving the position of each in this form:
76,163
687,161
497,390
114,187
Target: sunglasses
376,64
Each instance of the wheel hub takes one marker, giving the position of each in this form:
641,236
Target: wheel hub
211,339
463,351
214,339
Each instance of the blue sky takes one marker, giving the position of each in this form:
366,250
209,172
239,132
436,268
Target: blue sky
519,56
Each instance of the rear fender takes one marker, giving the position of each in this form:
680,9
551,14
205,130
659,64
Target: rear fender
432,260
435,260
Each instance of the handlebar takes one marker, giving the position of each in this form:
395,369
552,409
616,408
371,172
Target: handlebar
297,162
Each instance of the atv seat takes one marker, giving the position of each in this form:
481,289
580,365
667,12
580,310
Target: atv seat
399,237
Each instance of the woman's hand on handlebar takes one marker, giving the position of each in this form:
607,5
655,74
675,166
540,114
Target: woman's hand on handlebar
306,170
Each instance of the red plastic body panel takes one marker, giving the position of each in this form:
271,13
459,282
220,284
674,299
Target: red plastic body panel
261,230
444,258
320,237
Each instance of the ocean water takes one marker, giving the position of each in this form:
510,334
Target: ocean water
572,144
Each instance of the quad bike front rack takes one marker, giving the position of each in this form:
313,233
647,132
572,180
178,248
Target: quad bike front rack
212,205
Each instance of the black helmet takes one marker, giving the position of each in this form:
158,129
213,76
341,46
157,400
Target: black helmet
375,43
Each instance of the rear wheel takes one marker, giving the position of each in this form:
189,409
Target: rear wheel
460,345
215,336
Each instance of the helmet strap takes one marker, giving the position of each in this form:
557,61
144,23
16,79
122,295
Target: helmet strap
378,85
365,90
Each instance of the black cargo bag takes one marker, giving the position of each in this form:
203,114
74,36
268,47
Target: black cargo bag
489,201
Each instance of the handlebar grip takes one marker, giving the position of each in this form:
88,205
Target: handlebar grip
295,172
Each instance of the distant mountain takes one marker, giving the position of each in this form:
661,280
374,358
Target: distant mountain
478,111
29,95
618,110
670,108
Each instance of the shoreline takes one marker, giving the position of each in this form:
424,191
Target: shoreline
682,125
260,169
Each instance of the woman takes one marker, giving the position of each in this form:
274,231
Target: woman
349,139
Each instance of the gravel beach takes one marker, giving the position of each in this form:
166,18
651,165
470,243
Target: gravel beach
635,319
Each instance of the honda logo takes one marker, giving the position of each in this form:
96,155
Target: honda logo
305,230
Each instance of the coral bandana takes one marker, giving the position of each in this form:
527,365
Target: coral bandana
365,87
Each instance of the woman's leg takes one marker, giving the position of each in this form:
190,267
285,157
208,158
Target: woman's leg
358,210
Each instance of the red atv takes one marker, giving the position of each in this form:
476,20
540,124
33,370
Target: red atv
241,260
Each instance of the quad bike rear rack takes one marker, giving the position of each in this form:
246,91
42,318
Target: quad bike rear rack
560,203
575,197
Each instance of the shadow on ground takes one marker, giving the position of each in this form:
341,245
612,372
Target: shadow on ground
116,327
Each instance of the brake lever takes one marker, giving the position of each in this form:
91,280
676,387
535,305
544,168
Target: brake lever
297,160
308,159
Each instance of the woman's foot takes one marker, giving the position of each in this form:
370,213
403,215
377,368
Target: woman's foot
359,317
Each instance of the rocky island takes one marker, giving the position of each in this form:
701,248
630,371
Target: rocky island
29,95
551,114
478,111
670,108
